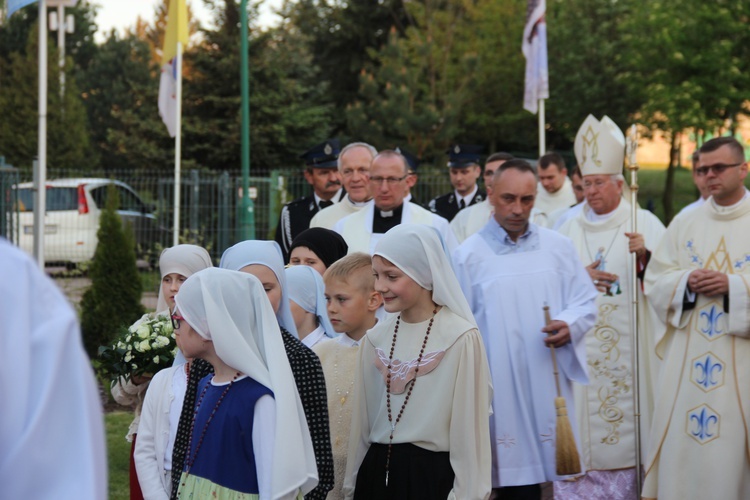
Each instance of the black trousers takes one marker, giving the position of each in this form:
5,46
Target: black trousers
414,474
525,492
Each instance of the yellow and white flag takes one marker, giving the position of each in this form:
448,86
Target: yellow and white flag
177,32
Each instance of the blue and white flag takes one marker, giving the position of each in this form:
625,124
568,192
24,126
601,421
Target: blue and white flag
14,5
534,48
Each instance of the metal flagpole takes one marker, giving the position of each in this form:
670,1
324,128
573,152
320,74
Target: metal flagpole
177,148
542,131
633,167
40,177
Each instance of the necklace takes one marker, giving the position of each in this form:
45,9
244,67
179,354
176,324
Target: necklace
190,461
611,243
411,387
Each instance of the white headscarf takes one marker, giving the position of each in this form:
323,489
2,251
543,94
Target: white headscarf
181,259
232,310
420,252
307,289
266,253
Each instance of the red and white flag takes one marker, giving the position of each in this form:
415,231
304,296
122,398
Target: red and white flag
535,51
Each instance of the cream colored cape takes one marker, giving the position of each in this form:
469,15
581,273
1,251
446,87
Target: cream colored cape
700,428
605,408
357,228
329,216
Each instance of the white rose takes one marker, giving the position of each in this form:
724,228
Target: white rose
120,345
127,339
156,360
143,331
128,357
144,346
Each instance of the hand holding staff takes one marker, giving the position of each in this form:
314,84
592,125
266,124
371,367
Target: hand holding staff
566,455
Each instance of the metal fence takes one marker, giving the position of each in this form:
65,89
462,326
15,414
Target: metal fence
209,212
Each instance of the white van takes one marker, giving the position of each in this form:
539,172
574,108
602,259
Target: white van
72,218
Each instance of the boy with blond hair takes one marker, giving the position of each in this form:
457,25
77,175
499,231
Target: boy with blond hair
352,303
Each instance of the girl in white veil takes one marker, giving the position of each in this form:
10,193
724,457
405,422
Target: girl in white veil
308,304
420,425
225,318
263,259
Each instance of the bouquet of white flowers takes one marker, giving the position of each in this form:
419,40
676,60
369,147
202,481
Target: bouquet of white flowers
144,348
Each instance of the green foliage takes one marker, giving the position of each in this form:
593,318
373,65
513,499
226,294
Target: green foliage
114,298
67,131
591,65
414,93
288,111
343,38
118,454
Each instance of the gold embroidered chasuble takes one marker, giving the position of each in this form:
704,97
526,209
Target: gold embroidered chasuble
700,428
605,408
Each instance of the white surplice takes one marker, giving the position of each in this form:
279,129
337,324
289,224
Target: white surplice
701,421
52,442
506,294
605,408
329,216
357,228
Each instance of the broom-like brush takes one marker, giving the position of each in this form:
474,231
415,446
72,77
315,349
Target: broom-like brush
567,460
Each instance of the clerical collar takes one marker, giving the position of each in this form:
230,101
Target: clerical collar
592,216
357,203
723,210
382,221
467,199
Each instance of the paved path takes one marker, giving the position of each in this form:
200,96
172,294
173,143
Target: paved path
75,287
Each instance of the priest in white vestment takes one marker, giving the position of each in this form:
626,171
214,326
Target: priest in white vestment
52,442
602,235
388,181
699,283
555,191
509,271
354,167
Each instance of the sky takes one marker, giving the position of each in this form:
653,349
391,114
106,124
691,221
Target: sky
121,14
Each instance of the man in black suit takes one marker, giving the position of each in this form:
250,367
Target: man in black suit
464,171
321,172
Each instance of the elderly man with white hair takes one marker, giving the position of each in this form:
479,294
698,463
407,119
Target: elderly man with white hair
601,234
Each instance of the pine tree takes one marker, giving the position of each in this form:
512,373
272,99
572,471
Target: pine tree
114,298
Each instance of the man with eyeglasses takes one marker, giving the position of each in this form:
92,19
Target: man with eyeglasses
464,169
388,182
321,173
354,168
698,282
602,237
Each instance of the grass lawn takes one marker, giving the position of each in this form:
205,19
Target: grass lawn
118,453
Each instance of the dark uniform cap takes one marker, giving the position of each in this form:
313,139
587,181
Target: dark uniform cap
324,155
463,155
412,160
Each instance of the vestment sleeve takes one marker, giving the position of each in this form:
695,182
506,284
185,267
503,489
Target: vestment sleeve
470,454
578,312
52,442
665,284
739,303
359,434
264,432
149,473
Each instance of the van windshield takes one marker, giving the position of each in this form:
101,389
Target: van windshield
57,199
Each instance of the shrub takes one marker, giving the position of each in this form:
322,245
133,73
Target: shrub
114,297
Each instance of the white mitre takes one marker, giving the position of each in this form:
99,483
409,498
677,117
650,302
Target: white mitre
600,147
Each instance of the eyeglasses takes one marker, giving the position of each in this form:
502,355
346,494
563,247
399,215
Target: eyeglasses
716,169
176,321
388,180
